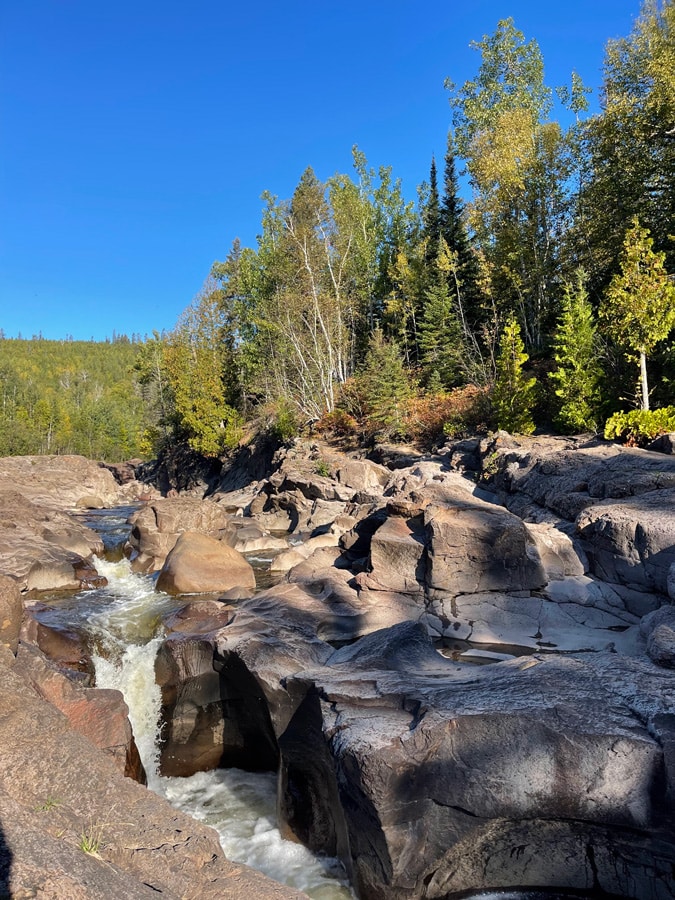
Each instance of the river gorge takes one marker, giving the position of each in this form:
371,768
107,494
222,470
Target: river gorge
449,675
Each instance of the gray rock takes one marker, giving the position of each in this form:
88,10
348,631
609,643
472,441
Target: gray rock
431,772
632,541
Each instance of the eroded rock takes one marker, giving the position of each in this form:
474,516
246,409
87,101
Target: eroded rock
201,564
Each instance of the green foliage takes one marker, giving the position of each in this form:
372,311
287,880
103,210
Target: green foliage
628,148
639,305
440,337
284,425
640,426
322,468
513,395
70,397
577,373
386,386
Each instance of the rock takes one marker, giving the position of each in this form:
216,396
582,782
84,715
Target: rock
658,627
664,443
201,564
557,552
56,786
398,557
246,536
65,646
49,544
58,482
11,612
157,526
100,715
475,546
412,761
632,541
496,618
89,501
565,475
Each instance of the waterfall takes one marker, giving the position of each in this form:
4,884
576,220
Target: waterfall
124,620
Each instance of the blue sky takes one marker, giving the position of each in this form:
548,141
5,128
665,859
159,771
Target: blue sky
137,137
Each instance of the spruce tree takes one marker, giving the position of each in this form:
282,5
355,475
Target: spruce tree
465,286
440,338
577,374
431,219
513,394
386,385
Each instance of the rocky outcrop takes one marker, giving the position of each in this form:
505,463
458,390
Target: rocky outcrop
43,548
101,836
411,761
155,528
100,715
11,612
199,564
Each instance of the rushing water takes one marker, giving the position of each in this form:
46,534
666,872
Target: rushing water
123,624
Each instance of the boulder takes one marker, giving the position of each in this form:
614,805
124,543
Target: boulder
411,761
67,647
476,546
201,564
11,612
158,524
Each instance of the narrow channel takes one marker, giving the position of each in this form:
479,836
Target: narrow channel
123,622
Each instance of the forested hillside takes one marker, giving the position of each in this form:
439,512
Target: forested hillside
70,397
544,299
540,294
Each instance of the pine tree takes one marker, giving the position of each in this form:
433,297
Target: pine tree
465,286
575,350
513,394
440,337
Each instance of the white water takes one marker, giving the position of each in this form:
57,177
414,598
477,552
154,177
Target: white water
241,806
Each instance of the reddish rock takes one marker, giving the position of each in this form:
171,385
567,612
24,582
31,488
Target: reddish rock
200,564
101,715
11,611
66,647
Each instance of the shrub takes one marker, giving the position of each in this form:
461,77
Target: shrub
640,426
453,413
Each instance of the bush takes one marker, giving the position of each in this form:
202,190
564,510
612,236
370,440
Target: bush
451,414
640,426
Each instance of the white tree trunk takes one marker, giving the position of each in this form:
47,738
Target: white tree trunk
643,381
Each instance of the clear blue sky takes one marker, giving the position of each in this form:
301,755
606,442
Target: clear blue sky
137,137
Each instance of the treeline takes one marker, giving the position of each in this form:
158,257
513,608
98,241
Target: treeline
71,397
541,301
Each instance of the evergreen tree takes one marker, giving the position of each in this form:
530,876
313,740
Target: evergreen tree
465,285
431,219
513,394
440,338
577,374
386,385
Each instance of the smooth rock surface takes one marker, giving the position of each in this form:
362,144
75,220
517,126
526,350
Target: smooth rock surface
201,564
